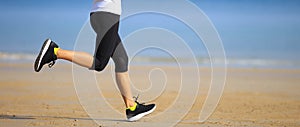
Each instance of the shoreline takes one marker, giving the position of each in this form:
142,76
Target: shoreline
202,61
229,66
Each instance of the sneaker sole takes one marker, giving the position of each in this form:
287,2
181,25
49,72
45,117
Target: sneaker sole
139,116
42,53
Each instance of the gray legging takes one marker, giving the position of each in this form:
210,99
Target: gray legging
108,42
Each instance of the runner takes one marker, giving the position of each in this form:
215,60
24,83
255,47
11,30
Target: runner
104,18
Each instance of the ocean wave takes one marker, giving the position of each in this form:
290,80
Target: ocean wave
16,56
264,63
231,62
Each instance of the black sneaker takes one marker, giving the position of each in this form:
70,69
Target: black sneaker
140,111
46,55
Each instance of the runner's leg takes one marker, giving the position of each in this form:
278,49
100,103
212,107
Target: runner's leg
108,45
123,83
120,59
80,58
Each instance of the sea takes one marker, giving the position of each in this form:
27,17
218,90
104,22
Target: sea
253,34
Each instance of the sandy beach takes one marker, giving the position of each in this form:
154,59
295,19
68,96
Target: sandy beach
252,97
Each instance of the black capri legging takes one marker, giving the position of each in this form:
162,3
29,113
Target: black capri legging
108,42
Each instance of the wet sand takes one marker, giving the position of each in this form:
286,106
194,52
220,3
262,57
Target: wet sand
252,97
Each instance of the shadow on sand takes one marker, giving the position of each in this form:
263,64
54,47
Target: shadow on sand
28,117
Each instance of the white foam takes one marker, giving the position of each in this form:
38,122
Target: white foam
231,62
16,56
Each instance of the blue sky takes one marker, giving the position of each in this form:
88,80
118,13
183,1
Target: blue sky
25,22
268,27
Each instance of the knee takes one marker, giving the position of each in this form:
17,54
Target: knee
99,65
121,63
99,68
